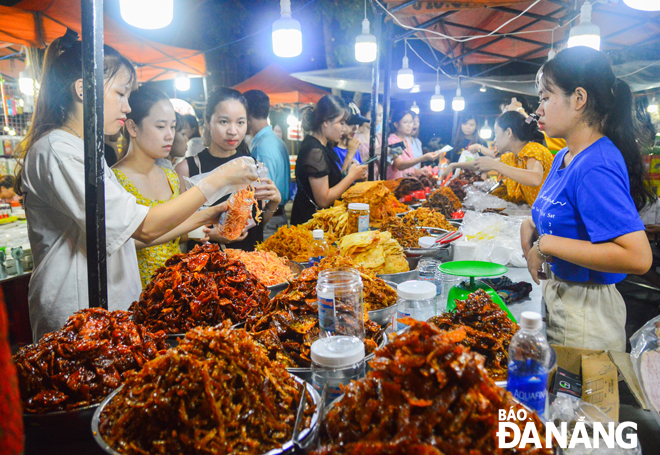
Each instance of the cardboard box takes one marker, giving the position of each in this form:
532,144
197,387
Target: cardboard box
601,371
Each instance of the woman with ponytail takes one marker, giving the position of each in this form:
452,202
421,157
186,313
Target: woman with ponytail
320,180
51,176
525,162
585,222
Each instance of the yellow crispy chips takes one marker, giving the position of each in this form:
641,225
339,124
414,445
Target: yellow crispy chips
374,250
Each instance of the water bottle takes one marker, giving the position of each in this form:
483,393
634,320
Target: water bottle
427,270
320,247
529,361
416,299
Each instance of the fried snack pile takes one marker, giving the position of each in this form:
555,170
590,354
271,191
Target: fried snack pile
426,217
333,220
217,393
407,186
201,288
456,186
374,250
426,394
382,203
488,330
287,332
293,242
239,211
377,294
444,201
84,361
407,236
269,268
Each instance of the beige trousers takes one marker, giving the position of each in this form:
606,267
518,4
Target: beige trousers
585,315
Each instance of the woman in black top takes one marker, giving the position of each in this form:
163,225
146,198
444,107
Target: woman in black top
226,119
466,136
320,181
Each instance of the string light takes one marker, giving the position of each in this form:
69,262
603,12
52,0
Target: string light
415,107
287,37
585,33
366,47
147,14
437,100
182,83
458,103
405,79
485,132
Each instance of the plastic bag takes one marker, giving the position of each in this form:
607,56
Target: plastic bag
239,214
570,409
646,342
233,176
498,237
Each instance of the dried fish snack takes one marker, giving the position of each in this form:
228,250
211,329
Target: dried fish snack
426,394
201,288
488,330
84,361
382,203
217,393
293,242
407,186
443,200
426,217
407,236
288,331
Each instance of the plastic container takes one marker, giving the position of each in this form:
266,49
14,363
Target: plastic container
336,361
427,270
320,247
417,300
448,282
358,217
340,304
529,363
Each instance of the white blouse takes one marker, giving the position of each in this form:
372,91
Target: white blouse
53,182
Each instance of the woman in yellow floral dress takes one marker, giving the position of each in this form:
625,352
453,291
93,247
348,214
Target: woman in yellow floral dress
524,161
150,129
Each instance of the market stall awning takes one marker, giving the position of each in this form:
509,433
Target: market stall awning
536,28
281,87
35,23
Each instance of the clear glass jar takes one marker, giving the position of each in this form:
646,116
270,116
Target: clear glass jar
336,361
427,270
358,218
448,282
416,299
340,304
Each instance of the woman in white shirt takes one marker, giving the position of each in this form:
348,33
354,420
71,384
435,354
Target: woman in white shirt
51,178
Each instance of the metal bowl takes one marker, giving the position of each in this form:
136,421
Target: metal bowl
305,435
59,427
306,373
402,276
295,268
384,315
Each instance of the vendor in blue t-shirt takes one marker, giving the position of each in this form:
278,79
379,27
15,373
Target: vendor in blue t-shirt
348,145
585,221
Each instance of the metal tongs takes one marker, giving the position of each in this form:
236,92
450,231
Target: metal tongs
299,418
448,238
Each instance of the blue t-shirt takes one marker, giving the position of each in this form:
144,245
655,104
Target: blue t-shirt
587,200
341,153
270,150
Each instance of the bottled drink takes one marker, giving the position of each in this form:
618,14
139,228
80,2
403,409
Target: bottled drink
336,361
320,247
529,361
416,299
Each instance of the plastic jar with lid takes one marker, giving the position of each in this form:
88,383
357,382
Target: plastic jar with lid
358,217
417,300
340,304
336,361
427,270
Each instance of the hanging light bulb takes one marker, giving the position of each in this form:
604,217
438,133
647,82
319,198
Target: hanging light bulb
147,14
366,47
287,37
458,103
437,100
182,83
292,120
643,5
415,107
551,54
405,78
482,89
585,33
25,82
485,132
652,107
416,89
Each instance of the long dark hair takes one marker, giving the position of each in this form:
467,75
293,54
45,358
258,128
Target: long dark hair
458,140
523,130
142,100
328,108
62,67
397,116
609,107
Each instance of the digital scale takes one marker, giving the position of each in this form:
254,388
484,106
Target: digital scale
473,269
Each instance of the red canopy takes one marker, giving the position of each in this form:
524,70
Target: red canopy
281,88
35,23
